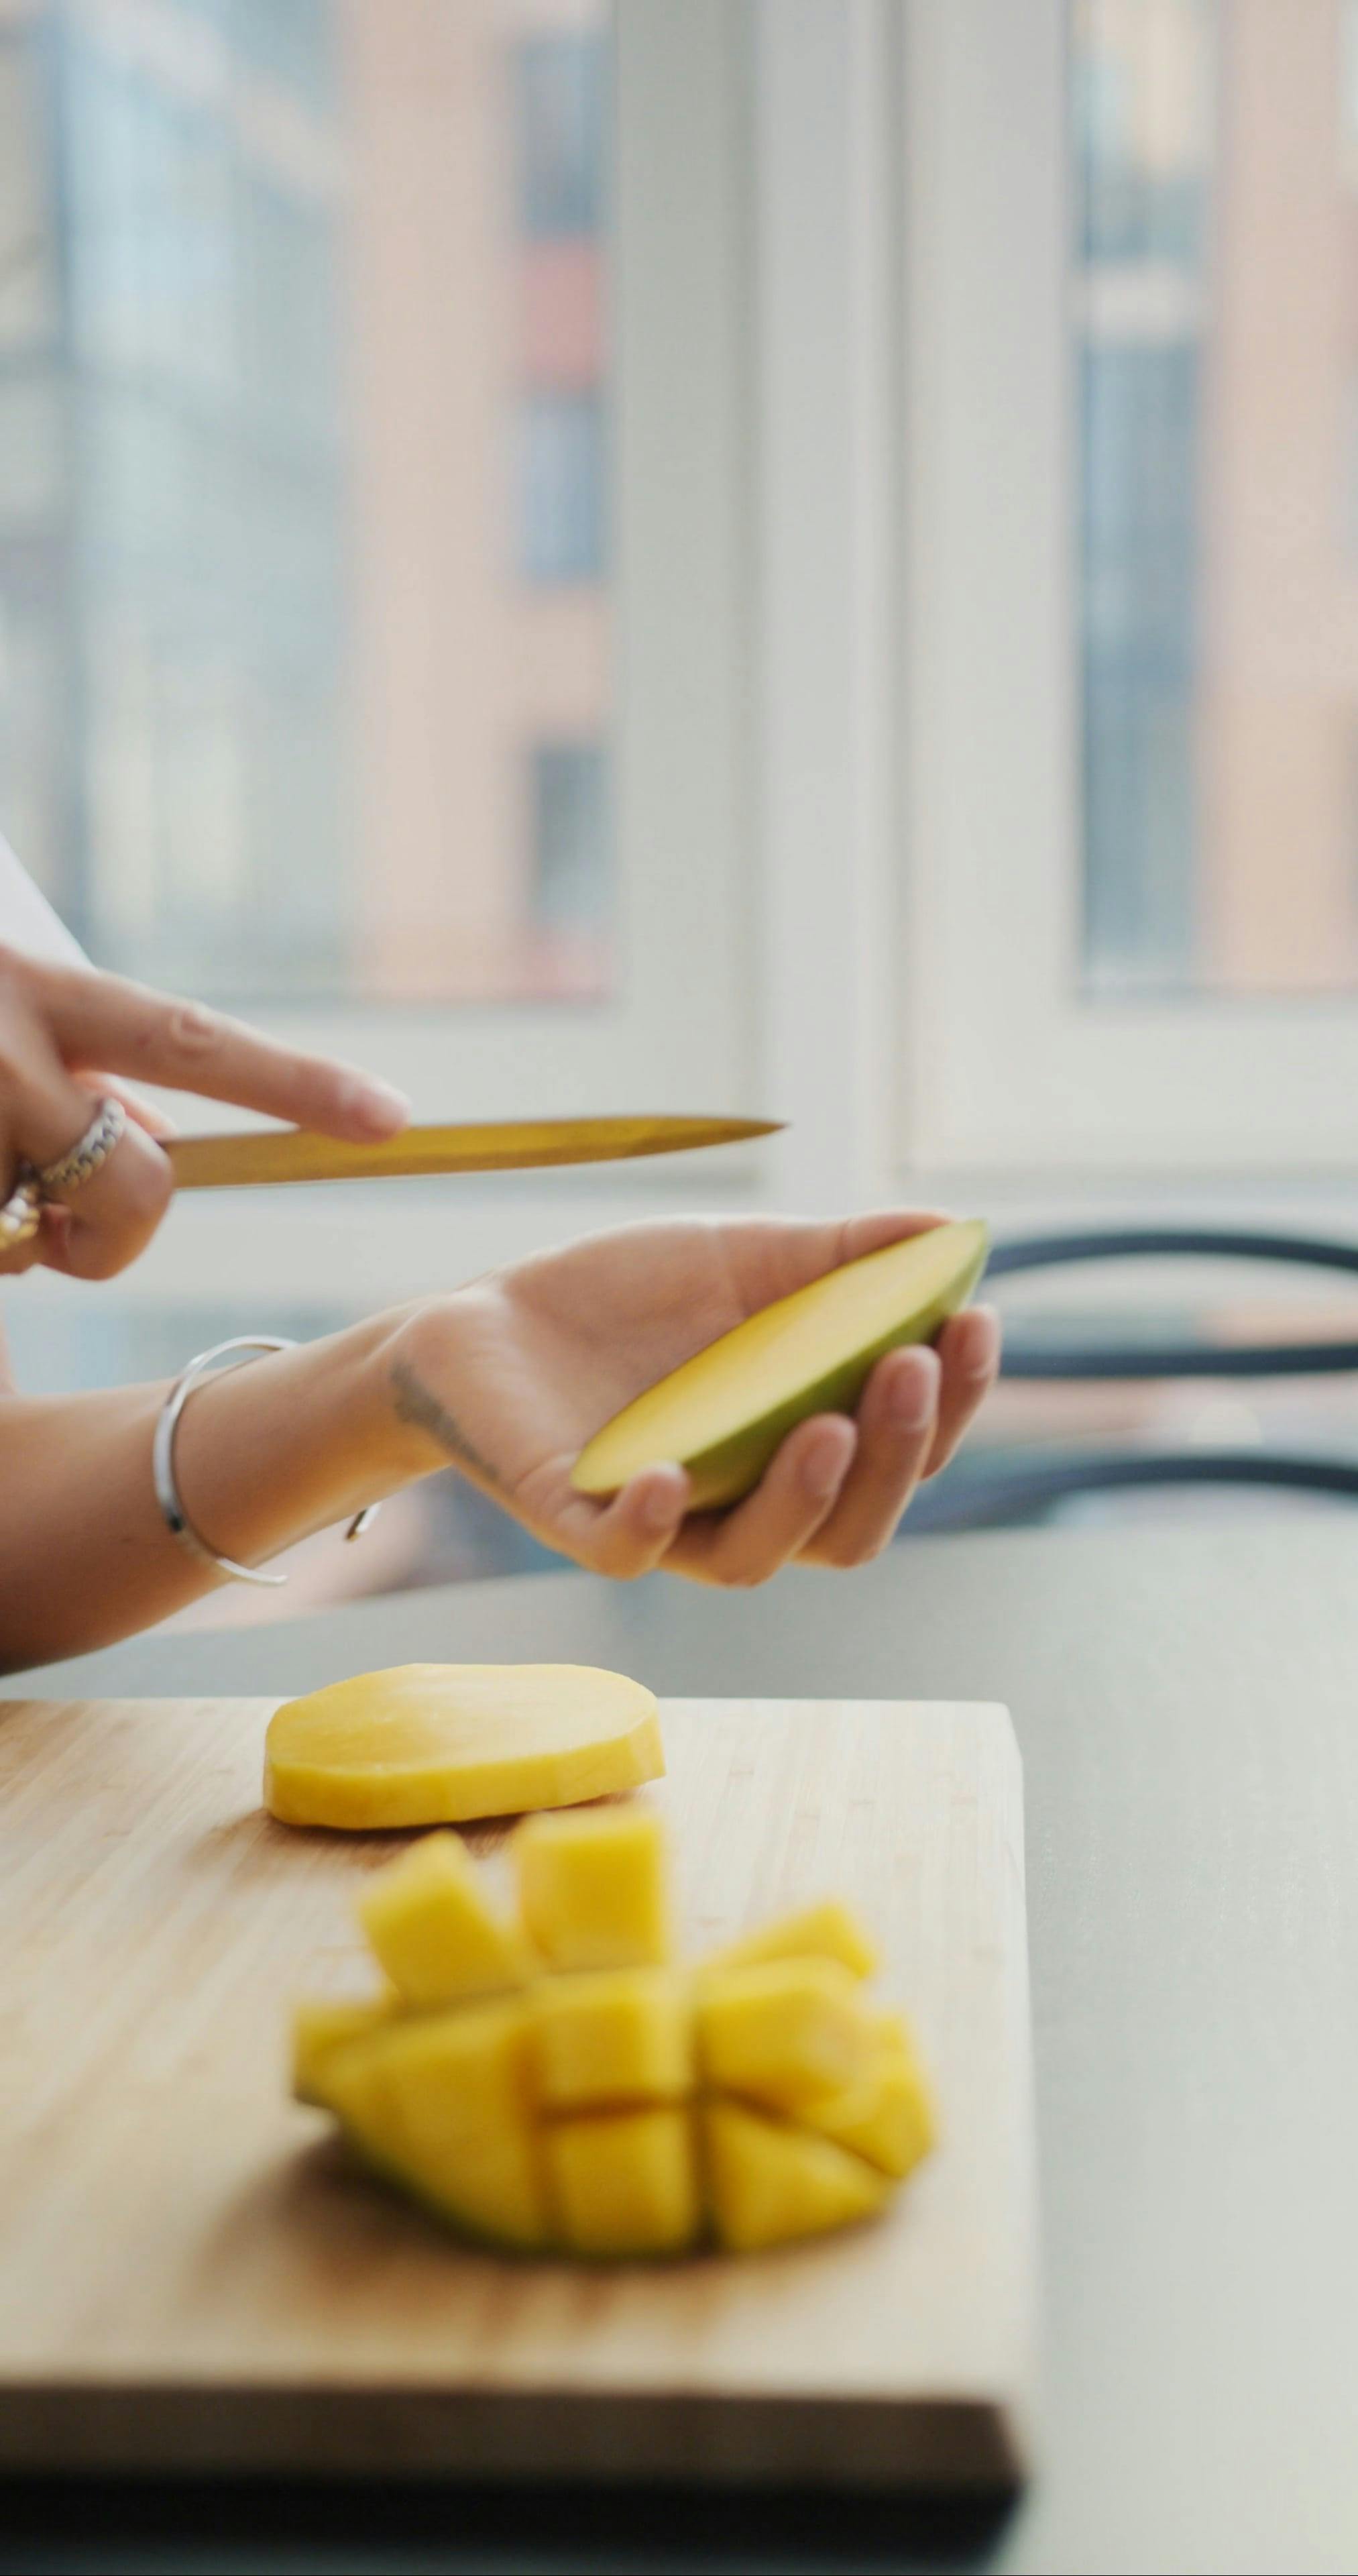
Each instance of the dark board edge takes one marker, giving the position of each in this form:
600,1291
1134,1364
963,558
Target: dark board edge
594,2436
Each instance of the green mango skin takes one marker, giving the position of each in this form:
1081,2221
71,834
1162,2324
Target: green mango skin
732,1467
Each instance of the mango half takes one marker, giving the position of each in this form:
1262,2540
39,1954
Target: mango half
629,2108
723,1414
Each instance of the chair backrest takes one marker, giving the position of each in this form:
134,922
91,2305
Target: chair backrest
1122,1359
985,1491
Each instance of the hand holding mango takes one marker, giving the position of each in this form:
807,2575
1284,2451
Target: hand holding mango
511,1379
611,1395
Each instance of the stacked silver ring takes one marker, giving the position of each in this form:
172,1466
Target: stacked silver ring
21,1214
89,1152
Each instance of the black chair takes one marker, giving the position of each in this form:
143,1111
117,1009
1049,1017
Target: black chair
986,1490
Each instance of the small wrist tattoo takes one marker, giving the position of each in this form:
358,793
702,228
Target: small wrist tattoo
416,1403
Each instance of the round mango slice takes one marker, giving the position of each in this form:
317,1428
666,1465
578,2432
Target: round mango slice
438,1744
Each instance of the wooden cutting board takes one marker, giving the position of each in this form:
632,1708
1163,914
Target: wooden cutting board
190,2273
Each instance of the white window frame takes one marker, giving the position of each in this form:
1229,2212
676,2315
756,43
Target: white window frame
1010,1071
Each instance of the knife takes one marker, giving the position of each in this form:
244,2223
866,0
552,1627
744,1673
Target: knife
509,1145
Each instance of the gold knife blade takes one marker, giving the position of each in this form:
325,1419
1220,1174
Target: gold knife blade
266,1155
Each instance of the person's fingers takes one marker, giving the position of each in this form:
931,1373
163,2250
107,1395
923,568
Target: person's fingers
110,1217
105,1086
969,1350
43,1108
118,1210
896,1418
771,1257
102,1020
796,1492
629,1535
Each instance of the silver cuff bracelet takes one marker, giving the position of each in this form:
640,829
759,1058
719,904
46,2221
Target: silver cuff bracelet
176,1519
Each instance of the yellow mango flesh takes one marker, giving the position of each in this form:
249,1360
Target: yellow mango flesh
618,2111
785,2033
828,1931
622,2035
768,2183
592,1888
431,1927
624,2182
723,1413
433,1744
321,2026
889,2118
444,2103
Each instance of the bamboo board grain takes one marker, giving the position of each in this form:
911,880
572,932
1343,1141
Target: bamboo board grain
191,2275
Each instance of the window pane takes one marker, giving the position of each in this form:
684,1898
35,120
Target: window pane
572,848
303,505
1216,316
562,500
561,110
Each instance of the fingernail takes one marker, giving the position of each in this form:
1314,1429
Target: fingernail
376,1105
823,1470
977,1368
658,1506
914,1394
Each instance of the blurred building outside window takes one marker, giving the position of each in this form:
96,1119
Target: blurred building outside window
562,493
1216,183
1132,331
570,823
304,380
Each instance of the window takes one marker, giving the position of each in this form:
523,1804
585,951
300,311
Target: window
1133,341
259,453
571,852
562,134
562,494
358,365
1217,717
353,371
1138,413
1141,140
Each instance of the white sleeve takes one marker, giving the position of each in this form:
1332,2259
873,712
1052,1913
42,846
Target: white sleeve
27,920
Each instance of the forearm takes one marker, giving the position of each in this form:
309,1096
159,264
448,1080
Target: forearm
265,1454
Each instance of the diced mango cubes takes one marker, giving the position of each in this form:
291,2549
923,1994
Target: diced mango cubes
619,2035
443,2101
624,2182
321,2026
592,1888
431,1926
826,1931
888,2118
786,2033
558,2083
769,2182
